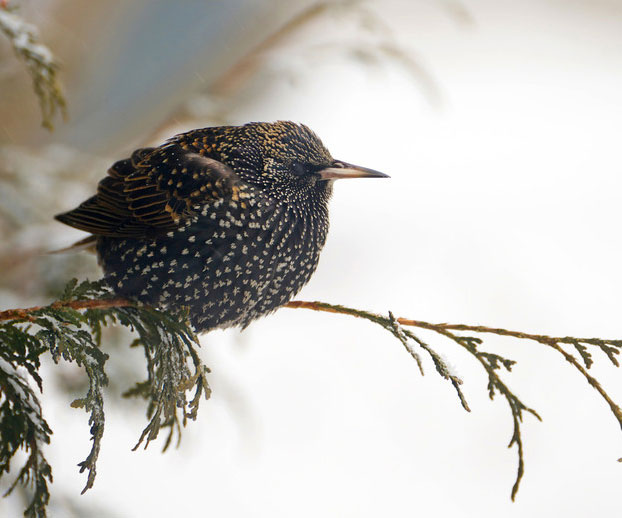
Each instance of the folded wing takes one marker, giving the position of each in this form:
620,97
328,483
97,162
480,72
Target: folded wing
153,192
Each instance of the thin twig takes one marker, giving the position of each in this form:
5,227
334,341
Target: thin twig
492,363
551,341
26,313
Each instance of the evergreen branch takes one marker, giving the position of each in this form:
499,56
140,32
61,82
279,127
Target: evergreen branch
40,63
27,313
491,362
22,427
70,328
610,347
168,345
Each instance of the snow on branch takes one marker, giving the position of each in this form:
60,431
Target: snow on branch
40,63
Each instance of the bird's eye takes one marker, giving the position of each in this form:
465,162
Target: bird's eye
298,169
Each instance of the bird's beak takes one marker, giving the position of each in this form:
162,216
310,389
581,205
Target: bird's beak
344,170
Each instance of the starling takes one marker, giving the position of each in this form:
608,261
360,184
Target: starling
226,221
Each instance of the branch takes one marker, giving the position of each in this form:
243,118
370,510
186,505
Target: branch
70,329
492,362
26,313
167,356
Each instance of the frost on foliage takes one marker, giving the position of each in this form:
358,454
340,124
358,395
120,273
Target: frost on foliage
40,63
22,427
71,331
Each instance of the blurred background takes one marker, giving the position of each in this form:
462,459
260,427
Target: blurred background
499,123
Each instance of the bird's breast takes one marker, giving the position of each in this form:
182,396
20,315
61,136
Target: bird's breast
231,263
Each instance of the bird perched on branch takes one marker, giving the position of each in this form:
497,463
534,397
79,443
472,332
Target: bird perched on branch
226,221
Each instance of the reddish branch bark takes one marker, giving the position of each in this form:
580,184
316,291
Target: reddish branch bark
554,342
26,313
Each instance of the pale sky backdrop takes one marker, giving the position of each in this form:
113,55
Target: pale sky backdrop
502,209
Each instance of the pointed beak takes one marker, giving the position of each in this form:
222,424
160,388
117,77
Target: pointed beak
344,170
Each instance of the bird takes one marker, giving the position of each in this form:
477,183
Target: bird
227,222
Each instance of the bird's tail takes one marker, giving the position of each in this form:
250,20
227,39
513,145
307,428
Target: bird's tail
88,244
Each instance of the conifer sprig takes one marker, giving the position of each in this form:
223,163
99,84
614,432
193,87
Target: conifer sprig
70,329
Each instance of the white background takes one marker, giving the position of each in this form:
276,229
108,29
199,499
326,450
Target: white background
502,209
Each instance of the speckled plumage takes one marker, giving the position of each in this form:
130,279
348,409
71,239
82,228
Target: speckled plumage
227,221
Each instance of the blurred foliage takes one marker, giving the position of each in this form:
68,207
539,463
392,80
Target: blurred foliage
31,179
40,63
375,47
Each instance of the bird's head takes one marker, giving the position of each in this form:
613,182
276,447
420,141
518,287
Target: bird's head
287,160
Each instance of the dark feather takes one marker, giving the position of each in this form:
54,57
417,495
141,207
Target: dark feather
176,226
153,192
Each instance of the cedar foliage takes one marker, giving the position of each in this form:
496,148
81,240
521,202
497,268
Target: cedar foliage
70,329
174,370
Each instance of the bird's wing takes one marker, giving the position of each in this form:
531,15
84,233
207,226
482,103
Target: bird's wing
153,192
